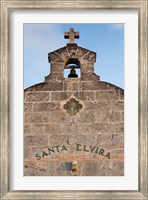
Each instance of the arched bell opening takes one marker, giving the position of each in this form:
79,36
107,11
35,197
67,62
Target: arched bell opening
72,68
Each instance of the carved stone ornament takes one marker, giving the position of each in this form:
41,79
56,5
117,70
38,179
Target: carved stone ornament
72,106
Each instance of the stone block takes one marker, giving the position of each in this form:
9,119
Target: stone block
72,85
102,106
59,139
57,168
98,128
89,76
109,168
50,86
90,85
27,152
85,96
56,67
118,140
76,86
54,77
89,168
36,168
121,92
29,89
71,128
117,154
28,107
38,129
85,139
36,117
53,128
59,117
87,67
68,86
107,95
59,96
89,106
46,107
27,129
109,116
104,140
37,96
85,117
55,57
119,128
39,140
122,116
118,105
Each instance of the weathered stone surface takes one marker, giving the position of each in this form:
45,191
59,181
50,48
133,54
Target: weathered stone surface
111,168
119,128
87,68
29,89
89,77
107,95
117,154
49,86
90,85
122,116
57,168
118,105
38,129
109,116
55,56
37,96
85,96
54,77
60,96
89,105
60,117
27,129
90,167
118,140
28,107
112,140
57,67
46,107
85,139
36,117
53,128
72,85
71,128
36,168
102,106
64,139
81,52
40,140
98,128
85,117
27,152
121,94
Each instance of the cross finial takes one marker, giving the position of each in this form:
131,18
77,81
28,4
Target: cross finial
71,35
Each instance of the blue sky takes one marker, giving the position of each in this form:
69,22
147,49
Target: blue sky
107,40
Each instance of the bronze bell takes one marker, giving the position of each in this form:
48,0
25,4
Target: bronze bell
72,74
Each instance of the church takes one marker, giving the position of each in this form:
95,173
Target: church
73,126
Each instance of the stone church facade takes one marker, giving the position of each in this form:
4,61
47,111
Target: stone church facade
73,126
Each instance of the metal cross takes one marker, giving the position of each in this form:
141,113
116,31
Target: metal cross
71,35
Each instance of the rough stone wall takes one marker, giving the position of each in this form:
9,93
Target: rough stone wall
94,136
